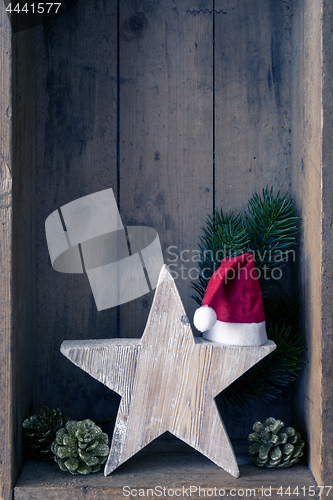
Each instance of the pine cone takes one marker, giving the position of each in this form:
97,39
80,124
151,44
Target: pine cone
80,447
40,431
274,445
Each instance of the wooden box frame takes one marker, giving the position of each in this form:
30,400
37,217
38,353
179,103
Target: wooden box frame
312,126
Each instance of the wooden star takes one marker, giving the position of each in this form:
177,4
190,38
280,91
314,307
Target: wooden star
167,381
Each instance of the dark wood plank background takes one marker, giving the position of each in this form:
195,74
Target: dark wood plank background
7,459
178,110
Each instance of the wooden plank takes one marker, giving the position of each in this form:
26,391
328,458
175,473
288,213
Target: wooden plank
170,464
166,68
7,455
24,234
76,141
252,99
68,168
252,51
309,186
324,21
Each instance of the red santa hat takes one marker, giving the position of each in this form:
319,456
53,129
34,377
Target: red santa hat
232,310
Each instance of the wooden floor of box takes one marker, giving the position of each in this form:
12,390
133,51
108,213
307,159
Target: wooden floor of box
169,464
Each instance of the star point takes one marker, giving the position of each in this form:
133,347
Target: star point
167,381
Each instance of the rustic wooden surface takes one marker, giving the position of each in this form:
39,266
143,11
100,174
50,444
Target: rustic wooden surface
166,133
168,463
327,239
76,113
24,234
308,184
140,120
252,100
7,452
78,127
167,381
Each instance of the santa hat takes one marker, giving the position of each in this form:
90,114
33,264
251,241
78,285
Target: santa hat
232,310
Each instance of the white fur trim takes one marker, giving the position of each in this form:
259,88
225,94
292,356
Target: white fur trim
204,318
244,334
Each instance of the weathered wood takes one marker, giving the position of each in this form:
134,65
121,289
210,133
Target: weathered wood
165,118
252,100
7,452
167,463
252,48
167,381
324,20
24,234
76,136
166,134
76,125
309,187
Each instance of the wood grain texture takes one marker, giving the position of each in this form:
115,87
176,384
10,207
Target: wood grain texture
24,233
327,235
8,465
252,99
253,52
167,463
166,134
76,136
127,105
165,120
309,186
168,381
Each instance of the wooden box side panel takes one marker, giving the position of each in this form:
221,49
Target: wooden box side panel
327,241
79,73
127,99
7,469
17,247
307,182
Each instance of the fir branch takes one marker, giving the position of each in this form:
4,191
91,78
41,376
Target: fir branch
266,379
271,224
224,235
268,231
282,309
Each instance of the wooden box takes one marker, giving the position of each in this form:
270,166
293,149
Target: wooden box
180,107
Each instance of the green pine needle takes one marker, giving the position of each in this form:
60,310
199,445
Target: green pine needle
267,230
224,235
266,379
271,224
282,309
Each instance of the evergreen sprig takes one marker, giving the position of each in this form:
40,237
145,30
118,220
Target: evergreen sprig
282,309
271,224
224,235
268,231
266,379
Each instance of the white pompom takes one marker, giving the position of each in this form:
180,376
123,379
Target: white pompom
204,318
